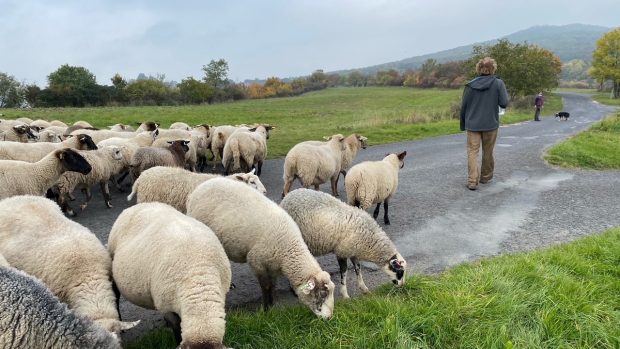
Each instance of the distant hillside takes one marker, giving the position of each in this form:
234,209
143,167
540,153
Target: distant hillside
572,41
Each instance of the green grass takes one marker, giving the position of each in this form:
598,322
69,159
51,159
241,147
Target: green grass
567,296
383,114
603,97
578,90
597,148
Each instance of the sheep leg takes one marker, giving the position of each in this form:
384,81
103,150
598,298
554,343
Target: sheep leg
259,167
88,195
266,285
386,220
342,263
287,186
376,213
174,321
316,187
116,184
117,294
358,272
105,190
334,181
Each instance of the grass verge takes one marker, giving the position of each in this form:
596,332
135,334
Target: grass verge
566,296
383,114
603,97
597,148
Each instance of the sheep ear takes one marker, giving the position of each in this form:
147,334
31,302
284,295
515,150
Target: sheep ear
126,325
169,142
402,155
269,127
240,178
252,129
186,142
308,287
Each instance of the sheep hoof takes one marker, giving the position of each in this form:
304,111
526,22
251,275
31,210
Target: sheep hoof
83,207
71,213
386,221
108,204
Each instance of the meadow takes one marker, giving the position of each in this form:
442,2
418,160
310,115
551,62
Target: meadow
566,296
383,114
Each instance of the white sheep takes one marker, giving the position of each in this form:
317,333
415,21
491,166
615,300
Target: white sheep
256,230
33,152
196,140
121,128
147,126
328,225
100,135
50,136
25,120
314,164
40,123
105,163
147,157
20,133
180,126
82,124
188,280
25,178
249,147
374,182
58,123
219,138
37,238
172,185
32,317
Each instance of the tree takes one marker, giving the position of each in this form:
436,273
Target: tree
216,73
606,60
526,69
33,95
74,86
195,91
118,81
12,93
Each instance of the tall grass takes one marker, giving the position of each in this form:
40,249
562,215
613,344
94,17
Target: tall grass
383,114
563,297
597,148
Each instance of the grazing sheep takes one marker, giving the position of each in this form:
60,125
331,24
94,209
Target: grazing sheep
37,238
314,164
374,182
219,138
82,124
32,317
256,230
25,178
121,128
180,126
146,126
25,120
147,157
105,163
58,123
188,280
172,185
33,152
251,147
19,133
328,225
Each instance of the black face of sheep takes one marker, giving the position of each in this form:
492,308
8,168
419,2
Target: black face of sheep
86,142
181,143
401,158
149,125
72,161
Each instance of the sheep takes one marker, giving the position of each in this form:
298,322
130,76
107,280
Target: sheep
100,135
188,280
23,178
105,163
328,225
251,147
32,317
82,124
25,120
146,126
147,157
218,140
180,126
71,129
256,230
37,238
172,185
196,140
20,133
50,136
204,133
121,128
3,262
314,164
58,123
373,182
40,123
33,152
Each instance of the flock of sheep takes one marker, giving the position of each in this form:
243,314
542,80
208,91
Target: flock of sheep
60,286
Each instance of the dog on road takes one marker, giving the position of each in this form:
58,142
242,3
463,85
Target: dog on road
562,115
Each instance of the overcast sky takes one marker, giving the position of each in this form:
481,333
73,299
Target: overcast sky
259,39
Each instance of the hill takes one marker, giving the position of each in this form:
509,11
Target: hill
572,41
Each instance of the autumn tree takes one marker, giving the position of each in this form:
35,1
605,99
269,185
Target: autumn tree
526,69
606,60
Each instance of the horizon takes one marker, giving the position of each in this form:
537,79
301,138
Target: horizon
258,41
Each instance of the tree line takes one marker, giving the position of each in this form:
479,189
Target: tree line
526,69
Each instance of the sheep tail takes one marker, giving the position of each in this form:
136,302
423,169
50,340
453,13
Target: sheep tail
234,149
134,191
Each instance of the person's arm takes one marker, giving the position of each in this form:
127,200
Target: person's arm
464,107
503,95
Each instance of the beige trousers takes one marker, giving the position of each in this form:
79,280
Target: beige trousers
474,139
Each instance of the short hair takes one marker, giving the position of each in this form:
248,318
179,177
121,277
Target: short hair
486,66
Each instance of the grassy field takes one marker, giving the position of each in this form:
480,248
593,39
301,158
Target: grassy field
567,296
597,148
603,97
384,115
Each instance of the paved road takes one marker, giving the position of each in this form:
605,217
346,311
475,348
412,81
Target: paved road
436,221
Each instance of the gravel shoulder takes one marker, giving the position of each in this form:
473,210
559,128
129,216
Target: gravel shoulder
436,221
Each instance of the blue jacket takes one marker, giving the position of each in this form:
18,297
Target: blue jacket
481,98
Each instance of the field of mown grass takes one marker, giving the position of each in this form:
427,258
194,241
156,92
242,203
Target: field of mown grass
566,296
383,114
603,97
597,148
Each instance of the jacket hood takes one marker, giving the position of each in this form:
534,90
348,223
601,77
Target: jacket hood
482,82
